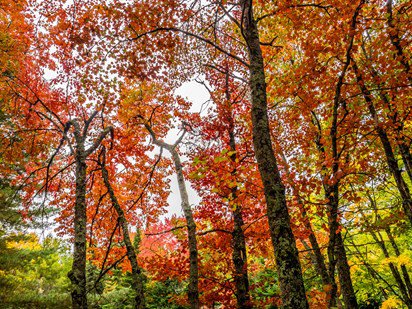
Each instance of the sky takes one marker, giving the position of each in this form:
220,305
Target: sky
197,94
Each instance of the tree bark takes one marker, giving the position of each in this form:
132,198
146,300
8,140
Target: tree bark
393,33
348,293
403,145
137,282
239,254
193,289
389,154
395,39
193,293
336,249
286,254
317,256
77,275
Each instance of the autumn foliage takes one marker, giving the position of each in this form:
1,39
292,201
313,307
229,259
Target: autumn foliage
298,165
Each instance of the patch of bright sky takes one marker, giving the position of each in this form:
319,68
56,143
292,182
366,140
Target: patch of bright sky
197,95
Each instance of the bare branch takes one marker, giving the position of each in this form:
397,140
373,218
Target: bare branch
167,231
99,140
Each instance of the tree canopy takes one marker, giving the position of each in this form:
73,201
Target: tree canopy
294,178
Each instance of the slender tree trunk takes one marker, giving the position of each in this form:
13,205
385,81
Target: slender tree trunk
404,289
389,154
320,260
393,33
405,273
193,293
337,253
396,42
239,254
336,248
333,224
239,258
404,149
394,270
286,254
395,39
403,145
193,289
317,256
137,282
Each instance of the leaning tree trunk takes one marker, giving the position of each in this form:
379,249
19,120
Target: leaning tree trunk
405,273
193,289
394,270
316,254
387,147
137,282
400,139
239,254
193,293
348,293
397,43
286,254
336,248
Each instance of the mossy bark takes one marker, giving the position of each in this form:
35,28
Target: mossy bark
286,254
77,274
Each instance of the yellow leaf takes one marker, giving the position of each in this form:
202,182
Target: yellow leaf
391,303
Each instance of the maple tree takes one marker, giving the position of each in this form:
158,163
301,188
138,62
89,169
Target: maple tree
301,158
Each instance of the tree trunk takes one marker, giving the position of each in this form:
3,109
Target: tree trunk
390,156
239,258
405,273
403,145
193,293
239,254
286,254
395,39
393,33
337,254
317,256
77,274
404,149
137,282
348,293
193,289
332,193
394,270
336,248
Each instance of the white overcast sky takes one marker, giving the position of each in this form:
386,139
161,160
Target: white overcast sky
197,94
